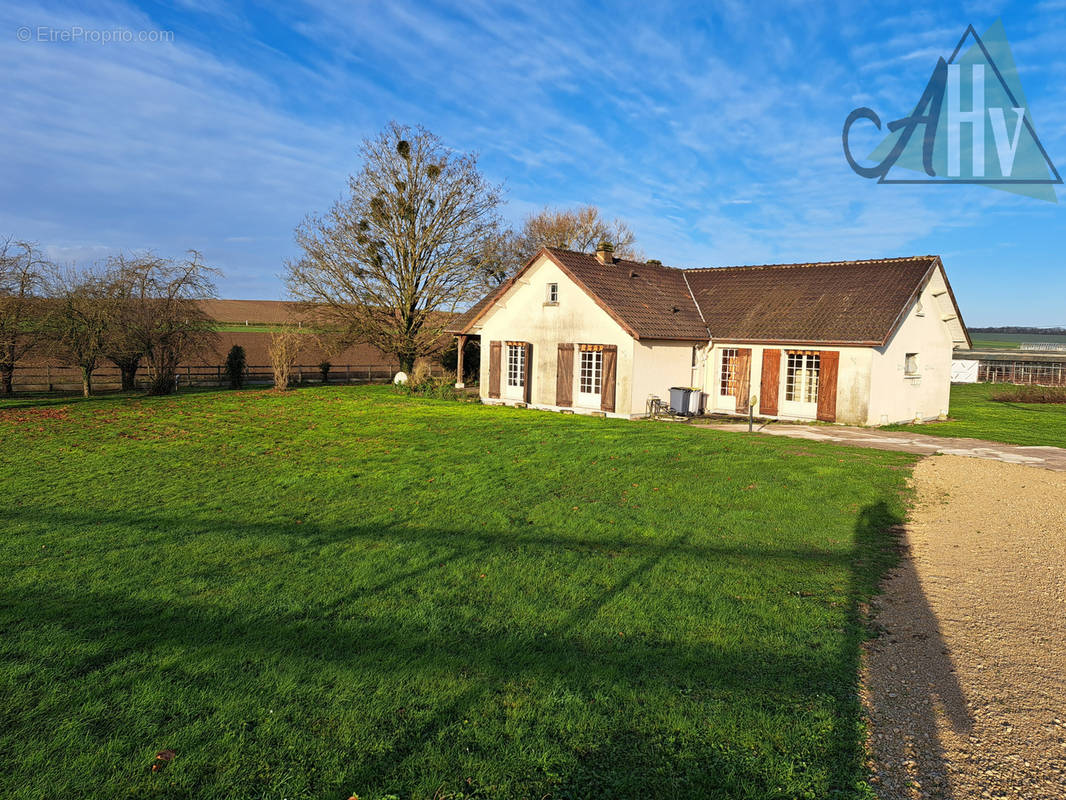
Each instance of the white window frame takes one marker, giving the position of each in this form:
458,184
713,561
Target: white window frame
515,381
552,295
802,373
727,380
908,371
589,373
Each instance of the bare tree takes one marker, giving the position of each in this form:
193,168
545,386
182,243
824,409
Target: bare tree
129,309
578,229
176,325
284,350
22,278
389,263
503,255
77,321
157,301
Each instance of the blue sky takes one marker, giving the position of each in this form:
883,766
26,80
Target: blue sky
715,132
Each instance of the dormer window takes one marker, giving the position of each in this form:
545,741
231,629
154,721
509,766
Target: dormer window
553,294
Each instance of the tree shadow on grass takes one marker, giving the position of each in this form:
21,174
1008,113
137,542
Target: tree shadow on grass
709,728
166,529
20,402
912,693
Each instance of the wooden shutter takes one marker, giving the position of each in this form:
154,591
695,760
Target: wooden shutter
528,380
494,368
609,374
564,376
829,363
771,382
743,379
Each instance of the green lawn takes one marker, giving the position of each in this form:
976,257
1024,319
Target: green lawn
1012,341
974,414
343,590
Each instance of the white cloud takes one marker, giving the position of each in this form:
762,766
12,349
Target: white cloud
716,132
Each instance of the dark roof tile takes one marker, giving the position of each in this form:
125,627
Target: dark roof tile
650,299
842,302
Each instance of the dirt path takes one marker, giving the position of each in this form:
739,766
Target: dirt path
919,443
966,686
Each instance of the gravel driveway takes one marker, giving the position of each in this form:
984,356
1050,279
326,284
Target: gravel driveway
966,685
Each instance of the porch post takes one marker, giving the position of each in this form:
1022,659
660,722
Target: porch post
461,339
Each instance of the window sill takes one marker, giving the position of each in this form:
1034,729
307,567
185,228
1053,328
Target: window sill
551,303
914,377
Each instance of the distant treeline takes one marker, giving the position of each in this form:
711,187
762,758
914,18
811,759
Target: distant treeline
1057,331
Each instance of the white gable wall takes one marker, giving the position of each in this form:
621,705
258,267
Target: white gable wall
897,397
524,315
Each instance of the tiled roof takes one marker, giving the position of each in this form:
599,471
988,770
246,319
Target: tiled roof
650,299
842,302
462,322
856,302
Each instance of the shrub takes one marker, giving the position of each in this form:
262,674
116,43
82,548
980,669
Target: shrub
324,369
440,388
1030,394
284,348
235,365
420,374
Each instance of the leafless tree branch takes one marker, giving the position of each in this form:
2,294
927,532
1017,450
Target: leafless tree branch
391,262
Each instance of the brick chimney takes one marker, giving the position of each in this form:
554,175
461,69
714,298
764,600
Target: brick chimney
605,252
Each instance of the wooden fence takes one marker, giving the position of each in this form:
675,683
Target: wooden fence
68,379
1039,373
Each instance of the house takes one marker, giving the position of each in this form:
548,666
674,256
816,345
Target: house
857,342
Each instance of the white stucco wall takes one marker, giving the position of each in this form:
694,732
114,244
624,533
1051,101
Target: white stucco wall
656,367
523,314
896,397
853,382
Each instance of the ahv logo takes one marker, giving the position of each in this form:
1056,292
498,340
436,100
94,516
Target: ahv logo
971,101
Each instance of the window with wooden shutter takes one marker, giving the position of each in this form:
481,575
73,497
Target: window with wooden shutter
771,382
495,355
516,365
801,376
590,376
727,379
608,377
528,377
743,388
827,386
564,376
